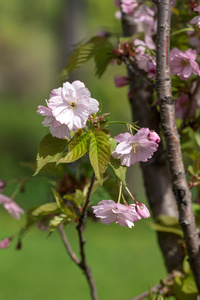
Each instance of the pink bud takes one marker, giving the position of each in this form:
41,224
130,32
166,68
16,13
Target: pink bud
5,243
121,81
153,136
142,211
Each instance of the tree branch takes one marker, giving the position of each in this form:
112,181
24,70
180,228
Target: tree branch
67,245
155,172
80,228
180,186
154,289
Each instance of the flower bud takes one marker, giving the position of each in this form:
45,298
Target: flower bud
142,211
154,137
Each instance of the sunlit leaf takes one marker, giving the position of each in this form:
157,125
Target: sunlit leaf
61,203
118,169
50,150
99,153
46,209
77,149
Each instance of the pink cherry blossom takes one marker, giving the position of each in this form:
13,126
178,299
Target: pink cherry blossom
5,243
183,64
11,206
151,66
134,148
56,128
109,211
72,105
121,81
182,105
142,211
196,19
128,6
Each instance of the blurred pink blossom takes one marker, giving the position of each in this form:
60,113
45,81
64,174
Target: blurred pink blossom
128,6
72,105
109,211
5,243
183,64
121,81
182,107
11,206
153,136
134,148
151,66
196,19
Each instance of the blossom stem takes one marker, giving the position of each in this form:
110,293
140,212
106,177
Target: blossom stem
136,202
120,192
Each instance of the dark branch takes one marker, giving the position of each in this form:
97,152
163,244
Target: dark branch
180,186
154,289
80,228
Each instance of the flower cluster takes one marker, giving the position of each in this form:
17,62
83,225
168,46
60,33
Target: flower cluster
68,109
124,215
136,148
184,64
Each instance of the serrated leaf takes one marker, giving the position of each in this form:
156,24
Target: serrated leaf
196,165
118,169
46,209
61,203
166,223
77,149
50,150
99,153
85,51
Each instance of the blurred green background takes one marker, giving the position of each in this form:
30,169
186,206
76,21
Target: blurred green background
35,39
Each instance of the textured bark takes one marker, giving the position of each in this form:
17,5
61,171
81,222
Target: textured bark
167,113
155,172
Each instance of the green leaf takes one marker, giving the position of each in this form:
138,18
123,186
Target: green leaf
166,223
46,209
185,287
57,220
189,285
50,150
99,153
78,198
61,203
85,51
196,165
118,169
77,149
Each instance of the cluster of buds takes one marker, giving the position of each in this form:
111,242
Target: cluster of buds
194,181
125,49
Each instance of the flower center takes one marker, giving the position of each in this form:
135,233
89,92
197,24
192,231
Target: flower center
135,146
72,104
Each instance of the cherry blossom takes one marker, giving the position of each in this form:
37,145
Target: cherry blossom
183,107
11,206
128,6
135,148
2,185
71,105
109,211
5,243
183,64
56,128
196,19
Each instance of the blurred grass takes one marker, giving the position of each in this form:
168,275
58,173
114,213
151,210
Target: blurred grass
125,262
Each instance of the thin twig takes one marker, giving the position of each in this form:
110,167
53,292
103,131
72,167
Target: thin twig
67,245
134,70
167,113
80,228
154,289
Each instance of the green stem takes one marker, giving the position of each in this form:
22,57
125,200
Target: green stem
182,30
